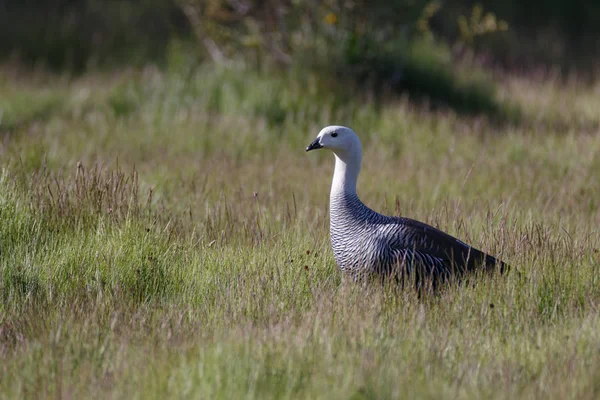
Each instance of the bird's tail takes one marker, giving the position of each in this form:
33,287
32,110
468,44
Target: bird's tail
493,264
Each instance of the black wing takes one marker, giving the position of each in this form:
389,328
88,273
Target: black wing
427,241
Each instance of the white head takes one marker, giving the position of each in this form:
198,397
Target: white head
339,139
348,154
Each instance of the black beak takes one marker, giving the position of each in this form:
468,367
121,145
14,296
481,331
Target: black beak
314,145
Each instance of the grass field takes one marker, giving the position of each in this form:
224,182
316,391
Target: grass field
164,234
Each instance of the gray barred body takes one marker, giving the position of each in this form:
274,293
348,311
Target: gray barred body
365,242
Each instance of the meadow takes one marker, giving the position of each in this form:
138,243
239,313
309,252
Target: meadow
164,234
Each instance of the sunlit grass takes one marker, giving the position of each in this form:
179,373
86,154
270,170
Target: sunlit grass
166,235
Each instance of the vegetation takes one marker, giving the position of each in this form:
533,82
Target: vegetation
164,233
79,34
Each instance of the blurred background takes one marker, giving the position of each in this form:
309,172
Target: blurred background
401,44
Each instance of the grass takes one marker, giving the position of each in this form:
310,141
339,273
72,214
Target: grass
162,234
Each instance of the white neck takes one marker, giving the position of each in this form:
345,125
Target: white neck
345,175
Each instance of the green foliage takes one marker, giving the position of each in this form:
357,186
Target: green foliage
424,69
353,44
556,32
76,35
479,24
72,35
373,46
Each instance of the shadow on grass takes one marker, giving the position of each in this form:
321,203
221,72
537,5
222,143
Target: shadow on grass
428,74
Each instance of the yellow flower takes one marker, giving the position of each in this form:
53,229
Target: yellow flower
331,19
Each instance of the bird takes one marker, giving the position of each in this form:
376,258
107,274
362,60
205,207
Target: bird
366,243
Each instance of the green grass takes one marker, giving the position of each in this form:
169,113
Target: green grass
166,235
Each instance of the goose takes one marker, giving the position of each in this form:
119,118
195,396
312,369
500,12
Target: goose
366,243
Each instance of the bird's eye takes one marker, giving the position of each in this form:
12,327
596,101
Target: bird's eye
334,134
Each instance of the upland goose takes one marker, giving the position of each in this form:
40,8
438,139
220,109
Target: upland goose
365,242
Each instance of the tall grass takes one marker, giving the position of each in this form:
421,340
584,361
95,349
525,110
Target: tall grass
161,234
